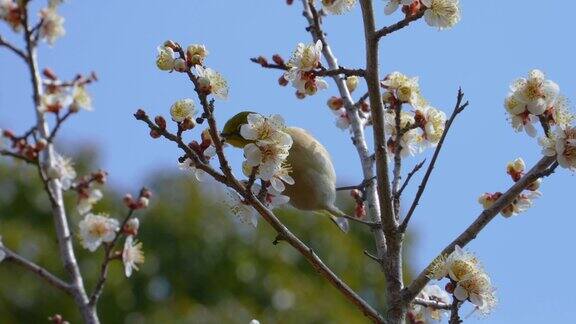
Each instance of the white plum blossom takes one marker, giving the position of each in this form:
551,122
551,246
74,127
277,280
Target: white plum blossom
411,142
281,176
212,82
423,314
165,58
132,255
352,83
85,202
403,89
458,265
306,83
54,101
516,168
338,7
520,204
96,229
182,109
52,26
561,114
196,54
441,13
477,288
265,130
304,58
342,120
80,99
561,144
243,211
62,168
534,93
393,5
273,198
188,165
433,122
269,157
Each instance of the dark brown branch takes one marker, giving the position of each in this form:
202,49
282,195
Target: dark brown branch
59,122
454,316
321,72
361,186
399,25
457,109
14,49
17,156
42,273
485,217
361,100
417,167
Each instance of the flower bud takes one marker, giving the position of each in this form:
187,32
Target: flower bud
188,123
131,227
160,121
516,169
335,103
262,61
154,134
49,74
195,54
352,83
278,59
300,95
41,145
180,65
282,81
142,203
365,107
100,176
449,288
145,192
172,45
140,114
204,84
128,200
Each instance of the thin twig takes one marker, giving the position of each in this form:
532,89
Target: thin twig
457,110
16,50
321,72
41,272
361,186
485,217
454,316
17,156
59,122
108,256
417,168
399,25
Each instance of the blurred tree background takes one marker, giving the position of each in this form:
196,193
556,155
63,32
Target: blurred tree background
202,266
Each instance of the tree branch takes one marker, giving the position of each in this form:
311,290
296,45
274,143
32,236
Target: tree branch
399,25
357,130
457,109
431,303
417,168
481,221
14,49
39,271
53,186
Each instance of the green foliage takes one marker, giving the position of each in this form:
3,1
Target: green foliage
201,265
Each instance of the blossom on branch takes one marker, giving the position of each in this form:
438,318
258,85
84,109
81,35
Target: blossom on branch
393,5
212,82
96,229
338,7
403,89
182,109
132,255
304,58
196,54
441,13
80,98
52,26
241,209
165,58
87,200
63,170
561,144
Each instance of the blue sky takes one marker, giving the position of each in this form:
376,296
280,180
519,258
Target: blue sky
528,256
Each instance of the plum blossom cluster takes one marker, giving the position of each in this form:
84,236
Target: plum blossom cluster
51,24
424,314
523,201
561,144
301,66
536,98
437,13
59,94
468,281
95,230
171,57
413,131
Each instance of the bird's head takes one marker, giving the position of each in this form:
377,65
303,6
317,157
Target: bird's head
231,130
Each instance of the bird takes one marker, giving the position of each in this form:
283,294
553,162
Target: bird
314,187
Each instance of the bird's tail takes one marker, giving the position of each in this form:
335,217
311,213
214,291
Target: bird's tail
338,217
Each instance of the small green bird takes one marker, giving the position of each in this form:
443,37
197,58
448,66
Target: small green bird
314,187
